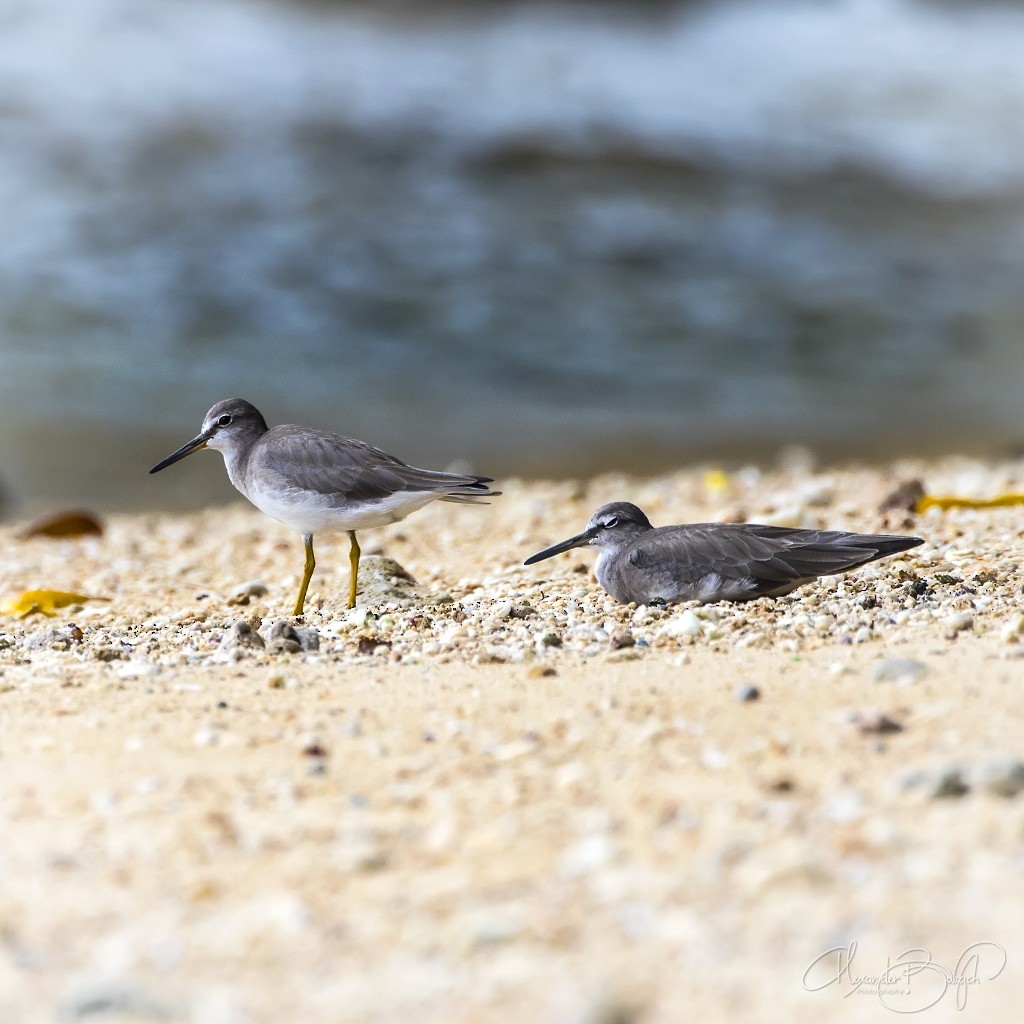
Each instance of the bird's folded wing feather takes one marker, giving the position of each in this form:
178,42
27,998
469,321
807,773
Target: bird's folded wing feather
330,463
767,556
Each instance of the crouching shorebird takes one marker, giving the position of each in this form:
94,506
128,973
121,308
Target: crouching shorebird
715,561
318,482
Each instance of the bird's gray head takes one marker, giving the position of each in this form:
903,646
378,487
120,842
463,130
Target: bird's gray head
611,526
231,425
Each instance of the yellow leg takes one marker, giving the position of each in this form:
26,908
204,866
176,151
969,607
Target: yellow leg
307,539
353,561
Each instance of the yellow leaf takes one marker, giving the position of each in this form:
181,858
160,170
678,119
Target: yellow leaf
1002,501
716,481
45,602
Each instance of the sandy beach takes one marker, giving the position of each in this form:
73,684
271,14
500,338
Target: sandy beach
494,794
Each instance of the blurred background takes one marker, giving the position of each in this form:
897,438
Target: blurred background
543,238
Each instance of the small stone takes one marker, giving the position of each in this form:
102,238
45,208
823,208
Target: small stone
309,638
875,723
904,498
958,623
686,623
744,693
245,592
316,758
844,806
124,1004
941,784
949,783
551,640
587,855
206,737
898,670
1012,630
1001,776
242,635
138,668
283,636
621,640
59,639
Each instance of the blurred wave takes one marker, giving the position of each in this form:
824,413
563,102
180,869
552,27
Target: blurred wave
545,239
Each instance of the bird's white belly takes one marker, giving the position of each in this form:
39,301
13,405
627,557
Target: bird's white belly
308,512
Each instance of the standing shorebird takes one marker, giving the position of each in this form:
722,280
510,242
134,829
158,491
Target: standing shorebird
318,482
715,561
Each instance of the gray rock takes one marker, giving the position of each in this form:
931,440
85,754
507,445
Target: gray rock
382,579
283,636
745,693
242,635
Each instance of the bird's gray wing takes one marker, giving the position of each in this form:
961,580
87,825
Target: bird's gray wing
333,464
722,561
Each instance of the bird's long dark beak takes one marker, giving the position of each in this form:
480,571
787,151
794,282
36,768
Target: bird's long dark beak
556,549
197,443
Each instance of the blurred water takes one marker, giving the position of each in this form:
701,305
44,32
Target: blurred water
542,239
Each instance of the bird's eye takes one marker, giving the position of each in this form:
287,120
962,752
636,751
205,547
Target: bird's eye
224,420
611,522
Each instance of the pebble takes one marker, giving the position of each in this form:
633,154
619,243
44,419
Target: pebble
1011,632
123,1003
941,783
283,636
243,635
875,723
744,693
587,855
685,623
1001,776
207,736
958,623
511,610
245,592
59,639
138,668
